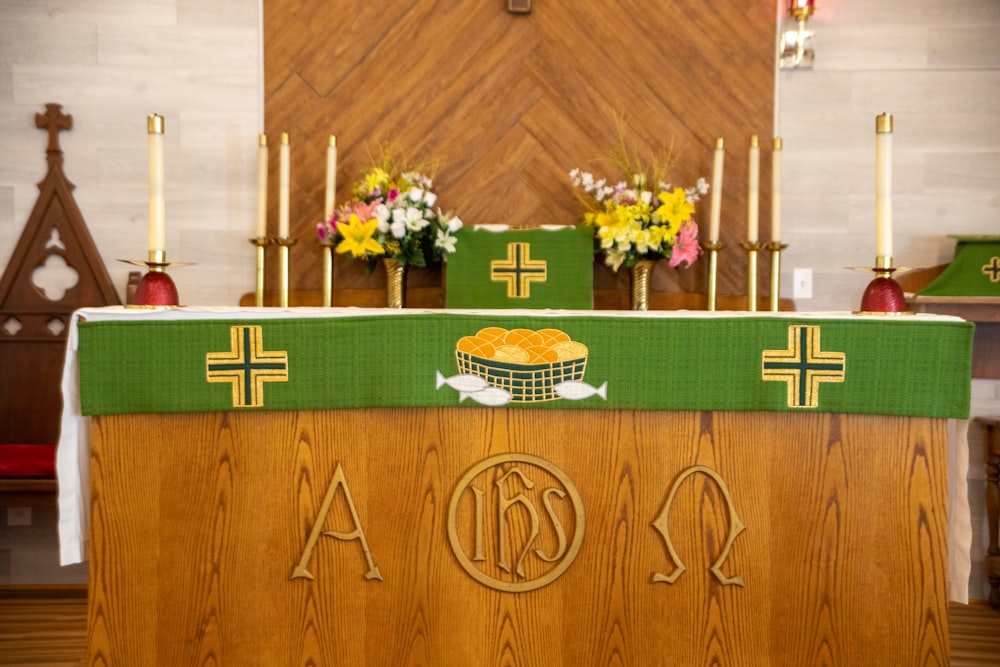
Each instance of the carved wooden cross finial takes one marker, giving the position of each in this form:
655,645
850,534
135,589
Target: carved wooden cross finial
54,120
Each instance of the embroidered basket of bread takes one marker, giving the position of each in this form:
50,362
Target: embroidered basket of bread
527,364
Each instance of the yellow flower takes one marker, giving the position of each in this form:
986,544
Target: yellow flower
674,208
376,177
665,235
358,237
608,235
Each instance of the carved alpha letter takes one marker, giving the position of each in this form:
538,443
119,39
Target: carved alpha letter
339,480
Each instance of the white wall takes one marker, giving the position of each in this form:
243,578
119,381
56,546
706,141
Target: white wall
935,66
111,63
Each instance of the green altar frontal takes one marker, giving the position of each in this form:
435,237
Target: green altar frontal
254,359
975,271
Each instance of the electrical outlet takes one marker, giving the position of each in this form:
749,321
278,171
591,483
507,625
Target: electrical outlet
803,284
18,516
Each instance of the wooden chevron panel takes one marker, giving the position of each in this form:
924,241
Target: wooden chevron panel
503,106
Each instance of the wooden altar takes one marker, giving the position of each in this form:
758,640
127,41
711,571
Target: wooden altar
590,534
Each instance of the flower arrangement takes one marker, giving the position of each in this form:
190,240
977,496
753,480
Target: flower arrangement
634,221
391,216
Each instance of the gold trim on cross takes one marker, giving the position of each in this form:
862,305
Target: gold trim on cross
992,269
247,366
803,366
519,270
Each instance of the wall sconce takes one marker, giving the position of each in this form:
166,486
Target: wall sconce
796,45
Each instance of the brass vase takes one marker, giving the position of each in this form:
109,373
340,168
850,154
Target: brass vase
641,273
394,276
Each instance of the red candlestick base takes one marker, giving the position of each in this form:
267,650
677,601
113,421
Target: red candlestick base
156,288
883,295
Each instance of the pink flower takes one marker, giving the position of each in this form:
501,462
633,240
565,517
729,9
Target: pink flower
686,249
366,211
327,229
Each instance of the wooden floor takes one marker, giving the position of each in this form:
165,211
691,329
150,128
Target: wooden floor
53,631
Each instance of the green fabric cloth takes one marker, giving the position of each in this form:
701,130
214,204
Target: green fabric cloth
975,271
525,268
887,365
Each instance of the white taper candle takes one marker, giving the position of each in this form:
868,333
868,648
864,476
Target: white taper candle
883,186
331,177
776,191
283,187
157,202
716,212
753,198
262,186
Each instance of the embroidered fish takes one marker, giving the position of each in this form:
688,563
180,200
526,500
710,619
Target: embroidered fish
491,396
575,390
465,383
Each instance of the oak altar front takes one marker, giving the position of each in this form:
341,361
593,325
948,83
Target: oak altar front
405,517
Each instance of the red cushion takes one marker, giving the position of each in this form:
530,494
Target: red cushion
28,461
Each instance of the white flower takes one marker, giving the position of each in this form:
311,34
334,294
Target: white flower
445,241
383,214
415,195
417,179
695,192
430,198
614,258
646,196
398,223
454,224
415,220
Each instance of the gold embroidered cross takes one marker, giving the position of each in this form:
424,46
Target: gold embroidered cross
247,366
993,269
519,270
803,366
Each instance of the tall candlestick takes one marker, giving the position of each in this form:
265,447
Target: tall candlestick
262,186
753,200
283,188
717,165
331,176
157,206
776,190
883,185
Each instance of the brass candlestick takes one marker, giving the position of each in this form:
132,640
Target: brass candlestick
261,242
776,247
751,247
284,243
713,248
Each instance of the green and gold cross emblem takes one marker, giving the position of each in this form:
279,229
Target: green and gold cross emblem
519,270
992,269
247,366
803,366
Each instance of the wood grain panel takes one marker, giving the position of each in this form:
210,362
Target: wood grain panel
505,105
199,521
52,631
